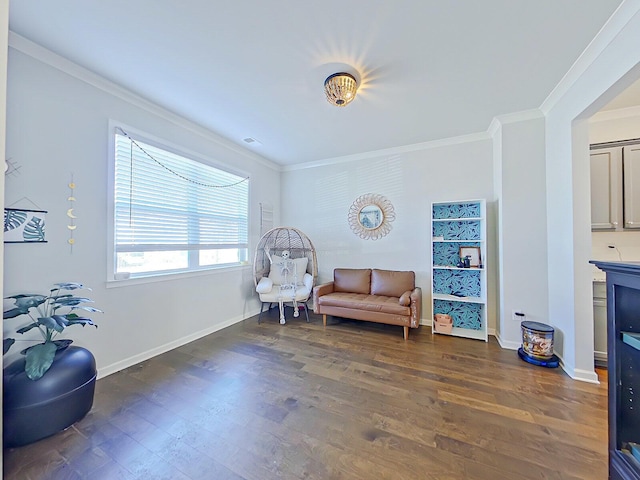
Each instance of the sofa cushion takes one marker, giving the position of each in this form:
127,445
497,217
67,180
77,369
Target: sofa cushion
362,301
355,280
391,283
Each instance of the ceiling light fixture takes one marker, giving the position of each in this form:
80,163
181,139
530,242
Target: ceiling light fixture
340,89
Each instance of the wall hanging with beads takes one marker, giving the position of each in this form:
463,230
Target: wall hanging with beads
72,216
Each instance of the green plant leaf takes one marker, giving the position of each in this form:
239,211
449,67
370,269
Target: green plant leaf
14,312
54,322
26,328
62,344
23,303
69,286
38,359
82,321
87,308
69,301
6,344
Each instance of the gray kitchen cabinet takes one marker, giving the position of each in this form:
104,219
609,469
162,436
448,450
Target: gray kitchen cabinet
606,189
631,165
615,188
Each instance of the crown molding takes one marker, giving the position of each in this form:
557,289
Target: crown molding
473,137
609,31
494,127
522,116
607,115
38,52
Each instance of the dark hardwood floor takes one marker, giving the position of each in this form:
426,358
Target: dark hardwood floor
349,401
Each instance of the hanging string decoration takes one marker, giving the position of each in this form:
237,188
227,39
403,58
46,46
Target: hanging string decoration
72,216
173,172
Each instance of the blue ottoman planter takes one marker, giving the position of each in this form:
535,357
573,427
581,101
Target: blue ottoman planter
35,409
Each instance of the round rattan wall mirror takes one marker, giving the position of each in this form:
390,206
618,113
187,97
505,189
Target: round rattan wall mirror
370,216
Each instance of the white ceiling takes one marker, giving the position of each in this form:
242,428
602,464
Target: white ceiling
429,69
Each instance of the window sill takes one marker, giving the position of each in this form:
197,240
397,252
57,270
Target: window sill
163,277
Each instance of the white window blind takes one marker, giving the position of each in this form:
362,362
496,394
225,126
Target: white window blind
173,213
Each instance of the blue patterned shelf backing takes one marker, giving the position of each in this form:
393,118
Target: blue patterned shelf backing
448,254
456,210
465,315
466,282
462,230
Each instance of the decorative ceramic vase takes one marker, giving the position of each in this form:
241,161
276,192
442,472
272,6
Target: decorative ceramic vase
35,409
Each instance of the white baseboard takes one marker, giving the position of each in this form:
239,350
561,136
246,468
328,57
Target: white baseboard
579,374
141,357
507,344
600,357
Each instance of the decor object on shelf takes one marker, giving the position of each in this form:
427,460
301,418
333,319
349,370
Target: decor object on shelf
383,296
340,89
48,320
285,270
473,255
370,216
458,278
443,323
24,226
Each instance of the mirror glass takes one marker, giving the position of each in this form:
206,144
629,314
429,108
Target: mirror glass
370,216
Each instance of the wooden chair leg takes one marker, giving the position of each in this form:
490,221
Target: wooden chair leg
406,333
324,320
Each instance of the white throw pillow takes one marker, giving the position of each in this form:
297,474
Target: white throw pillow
294,267
264,285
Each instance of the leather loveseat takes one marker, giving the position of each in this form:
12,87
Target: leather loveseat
383,296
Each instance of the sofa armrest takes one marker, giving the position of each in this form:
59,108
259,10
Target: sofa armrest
405,299
416,307
320,290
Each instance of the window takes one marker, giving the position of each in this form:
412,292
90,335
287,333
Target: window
175,214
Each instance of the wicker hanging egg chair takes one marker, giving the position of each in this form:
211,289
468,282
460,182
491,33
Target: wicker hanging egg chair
285,269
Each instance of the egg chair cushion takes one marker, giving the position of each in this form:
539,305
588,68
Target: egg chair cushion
270,292
302,294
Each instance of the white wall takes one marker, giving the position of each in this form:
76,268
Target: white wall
317,199
58,126
612,125
520,188
608,66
